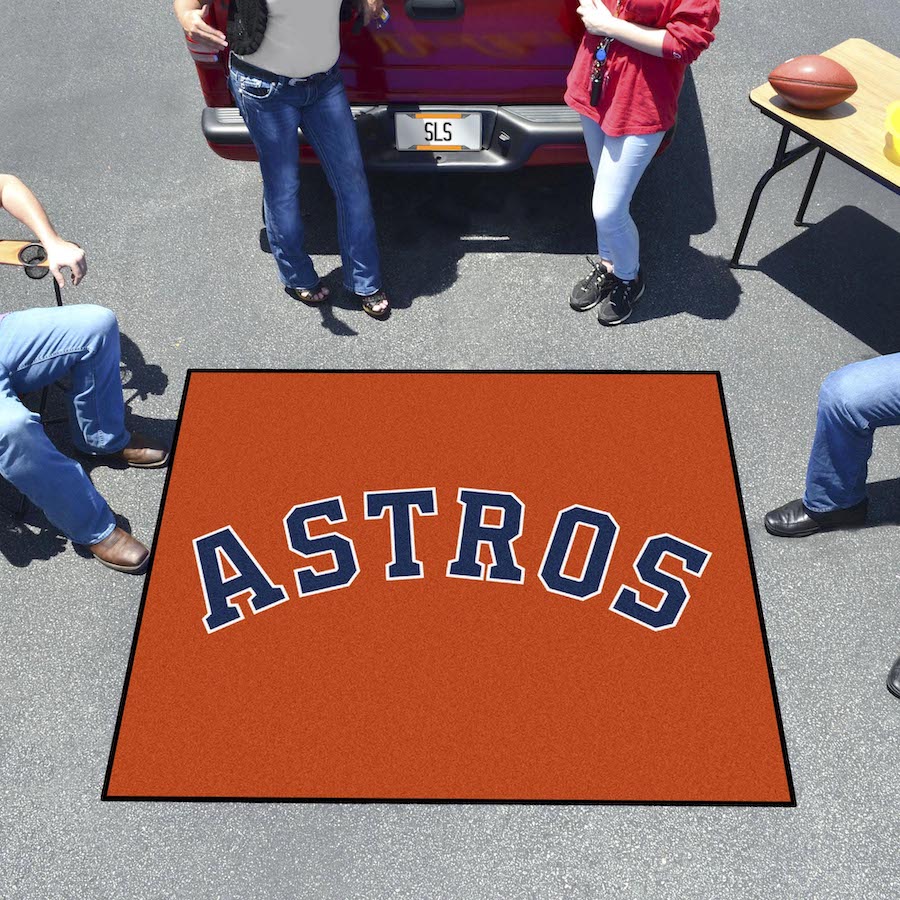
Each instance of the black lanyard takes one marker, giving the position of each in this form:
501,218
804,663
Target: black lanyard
599,64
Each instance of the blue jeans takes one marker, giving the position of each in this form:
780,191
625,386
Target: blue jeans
38,347
273,109
618,164
853,402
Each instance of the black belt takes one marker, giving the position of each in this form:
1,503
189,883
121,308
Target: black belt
245,68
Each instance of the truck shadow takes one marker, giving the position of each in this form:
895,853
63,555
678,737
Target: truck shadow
427,223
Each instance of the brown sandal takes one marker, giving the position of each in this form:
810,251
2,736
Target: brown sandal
308,295
370,301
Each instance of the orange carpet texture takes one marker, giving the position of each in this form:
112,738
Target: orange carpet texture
451,587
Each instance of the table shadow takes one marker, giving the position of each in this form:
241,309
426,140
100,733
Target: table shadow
845,266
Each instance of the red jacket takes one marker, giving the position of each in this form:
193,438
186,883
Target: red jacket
640,91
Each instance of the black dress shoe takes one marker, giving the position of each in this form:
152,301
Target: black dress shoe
795,520
893,679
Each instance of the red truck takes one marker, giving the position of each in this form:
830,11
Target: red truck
465,85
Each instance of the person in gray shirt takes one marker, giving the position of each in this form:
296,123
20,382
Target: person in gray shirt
283,75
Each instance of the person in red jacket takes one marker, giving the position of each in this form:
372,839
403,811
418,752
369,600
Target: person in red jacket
625,82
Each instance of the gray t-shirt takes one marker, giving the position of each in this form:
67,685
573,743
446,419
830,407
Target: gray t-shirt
302,38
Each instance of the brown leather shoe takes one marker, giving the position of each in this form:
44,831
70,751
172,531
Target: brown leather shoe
144,452
122,552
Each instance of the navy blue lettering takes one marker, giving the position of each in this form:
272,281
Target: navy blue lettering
473,533
400,504
346,567
218,590
590,583
675,594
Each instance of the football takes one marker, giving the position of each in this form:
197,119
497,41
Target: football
812,82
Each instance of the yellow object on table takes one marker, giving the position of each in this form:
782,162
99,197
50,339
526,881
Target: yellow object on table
892,139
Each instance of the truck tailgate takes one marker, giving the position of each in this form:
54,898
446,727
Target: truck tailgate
476,51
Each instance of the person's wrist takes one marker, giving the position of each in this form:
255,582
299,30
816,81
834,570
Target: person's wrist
50,239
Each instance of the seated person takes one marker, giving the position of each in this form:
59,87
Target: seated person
40,346
853,402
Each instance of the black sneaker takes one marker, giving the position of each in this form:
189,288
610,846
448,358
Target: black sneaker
588,292
618,305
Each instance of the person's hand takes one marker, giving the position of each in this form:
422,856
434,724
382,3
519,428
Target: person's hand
371,10
65,255
597,18
202,34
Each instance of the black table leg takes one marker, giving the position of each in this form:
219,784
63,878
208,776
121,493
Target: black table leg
783,159
810,186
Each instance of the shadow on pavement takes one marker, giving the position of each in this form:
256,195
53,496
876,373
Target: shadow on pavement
846,268
673,202
21,543
138,375
884,502
24,542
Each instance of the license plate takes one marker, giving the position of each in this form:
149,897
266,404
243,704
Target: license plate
438,131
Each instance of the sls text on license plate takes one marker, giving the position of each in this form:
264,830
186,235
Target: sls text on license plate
438,130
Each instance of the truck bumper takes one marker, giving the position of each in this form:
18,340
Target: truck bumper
512,136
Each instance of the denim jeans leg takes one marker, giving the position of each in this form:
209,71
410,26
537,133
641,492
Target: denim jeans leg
618,164
54,483
40,346
273,122
593,140
329,126
853,402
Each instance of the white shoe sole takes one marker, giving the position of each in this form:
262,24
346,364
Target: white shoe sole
624,318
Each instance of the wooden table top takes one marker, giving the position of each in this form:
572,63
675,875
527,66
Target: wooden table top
9,253
854,129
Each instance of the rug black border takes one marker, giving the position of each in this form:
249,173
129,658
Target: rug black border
105,795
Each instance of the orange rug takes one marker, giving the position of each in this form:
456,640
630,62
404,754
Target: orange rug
450,586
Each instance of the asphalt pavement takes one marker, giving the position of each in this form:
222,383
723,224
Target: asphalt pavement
100,112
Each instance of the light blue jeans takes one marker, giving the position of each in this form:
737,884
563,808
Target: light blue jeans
618,164
853,402
38,347
273,108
